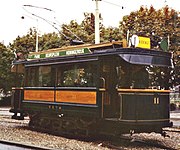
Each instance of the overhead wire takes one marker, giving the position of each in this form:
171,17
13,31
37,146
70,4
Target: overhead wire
112,4
52,23
39,7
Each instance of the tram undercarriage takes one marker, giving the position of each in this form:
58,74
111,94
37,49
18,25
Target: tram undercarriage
93,126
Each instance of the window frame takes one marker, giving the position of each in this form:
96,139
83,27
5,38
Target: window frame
75,67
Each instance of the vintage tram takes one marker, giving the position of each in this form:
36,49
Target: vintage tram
103,88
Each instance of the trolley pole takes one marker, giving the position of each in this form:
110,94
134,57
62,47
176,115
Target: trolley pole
37,36
37,30
97,32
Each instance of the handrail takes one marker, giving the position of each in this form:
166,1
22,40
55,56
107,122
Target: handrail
104,82
103,96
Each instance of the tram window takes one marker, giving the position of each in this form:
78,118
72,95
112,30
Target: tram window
44,76
133,76
123,77
79,75
39,76
160,77
31,79
140,77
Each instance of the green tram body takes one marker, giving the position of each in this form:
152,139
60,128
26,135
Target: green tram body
88,91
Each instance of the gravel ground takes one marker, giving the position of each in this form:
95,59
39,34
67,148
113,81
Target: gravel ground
18,131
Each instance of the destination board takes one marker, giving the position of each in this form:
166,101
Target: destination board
59,53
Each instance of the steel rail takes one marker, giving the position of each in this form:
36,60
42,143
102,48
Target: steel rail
23,145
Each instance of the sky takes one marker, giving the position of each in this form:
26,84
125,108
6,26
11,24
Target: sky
11,12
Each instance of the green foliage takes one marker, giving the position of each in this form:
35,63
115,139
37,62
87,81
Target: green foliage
27,43
75,31
49,41
110,34
6,77
83,31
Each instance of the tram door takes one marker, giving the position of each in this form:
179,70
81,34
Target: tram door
108,77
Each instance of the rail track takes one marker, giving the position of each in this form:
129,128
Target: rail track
19,146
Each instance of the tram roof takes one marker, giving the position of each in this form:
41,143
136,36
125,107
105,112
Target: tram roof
76,50
89,52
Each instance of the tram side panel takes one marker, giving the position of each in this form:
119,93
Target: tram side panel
61,102
145,111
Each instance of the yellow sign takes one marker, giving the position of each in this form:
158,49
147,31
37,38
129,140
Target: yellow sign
144,42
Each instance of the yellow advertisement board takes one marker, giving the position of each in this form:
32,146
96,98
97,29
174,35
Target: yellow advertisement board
144,42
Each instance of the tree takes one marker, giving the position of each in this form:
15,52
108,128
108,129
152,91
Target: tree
27,43
49,41
111,34
6,77
156,24
83,31
73,31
